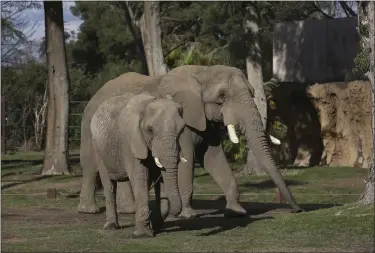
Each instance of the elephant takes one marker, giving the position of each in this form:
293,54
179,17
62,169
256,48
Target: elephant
129,133
211,96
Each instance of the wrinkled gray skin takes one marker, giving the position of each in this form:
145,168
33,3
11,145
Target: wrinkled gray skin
127,132
217,93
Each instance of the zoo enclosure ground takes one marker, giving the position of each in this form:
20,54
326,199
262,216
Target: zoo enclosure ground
332,223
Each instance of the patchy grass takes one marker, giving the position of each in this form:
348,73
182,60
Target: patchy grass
52,227
22,156
332,222
30,156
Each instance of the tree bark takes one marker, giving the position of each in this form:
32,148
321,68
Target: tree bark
255,77
368,195
56,149
133,24
151,36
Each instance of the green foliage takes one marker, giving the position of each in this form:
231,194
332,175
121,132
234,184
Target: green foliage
361,61
201,33
104,38
235,152
278,129
23,88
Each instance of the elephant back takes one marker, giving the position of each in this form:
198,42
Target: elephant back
106,136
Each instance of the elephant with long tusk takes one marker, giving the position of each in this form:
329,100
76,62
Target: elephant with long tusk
234,138
208,94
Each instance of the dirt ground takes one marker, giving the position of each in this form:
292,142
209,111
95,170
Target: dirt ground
56,216
32,222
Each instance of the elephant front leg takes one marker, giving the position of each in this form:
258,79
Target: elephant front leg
139,178
186,174
125,198
161,206
215,162
185,186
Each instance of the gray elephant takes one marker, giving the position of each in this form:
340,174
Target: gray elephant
129,133
209,96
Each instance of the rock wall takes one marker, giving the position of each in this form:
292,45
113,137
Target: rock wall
328,124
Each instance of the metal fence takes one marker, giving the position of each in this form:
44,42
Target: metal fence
76,108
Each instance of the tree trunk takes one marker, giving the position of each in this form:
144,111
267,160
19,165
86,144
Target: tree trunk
56,149
368,195
151,36
133,24
255,77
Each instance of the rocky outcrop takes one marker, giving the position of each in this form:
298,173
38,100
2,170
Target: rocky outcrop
328,124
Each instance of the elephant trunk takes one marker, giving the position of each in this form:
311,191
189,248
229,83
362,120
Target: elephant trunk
245,114
166,151
166,156
171,188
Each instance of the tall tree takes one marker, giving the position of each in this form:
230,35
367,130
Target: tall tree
56,149
151,36
254,74
368,10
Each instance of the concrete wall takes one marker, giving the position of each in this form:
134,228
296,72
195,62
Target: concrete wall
314,50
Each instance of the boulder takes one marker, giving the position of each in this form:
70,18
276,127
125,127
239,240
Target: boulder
328,123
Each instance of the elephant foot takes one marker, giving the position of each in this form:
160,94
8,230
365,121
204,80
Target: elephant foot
234,210
126,209
142,233
188,213
111,225
87,208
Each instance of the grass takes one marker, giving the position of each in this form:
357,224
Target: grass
332,223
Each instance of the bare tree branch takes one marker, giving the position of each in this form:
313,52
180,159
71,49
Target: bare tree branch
349,12
132,23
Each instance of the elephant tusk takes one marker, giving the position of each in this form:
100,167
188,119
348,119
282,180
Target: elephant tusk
158,162
274,140
232,133
183,159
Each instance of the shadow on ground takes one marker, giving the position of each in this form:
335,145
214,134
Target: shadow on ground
217,224
270,184
208,217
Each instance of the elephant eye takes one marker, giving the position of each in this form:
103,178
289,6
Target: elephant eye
221,97
180,111
150,128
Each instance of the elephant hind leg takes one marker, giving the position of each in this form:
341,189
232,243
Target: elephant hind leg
89,166
109,187
125,198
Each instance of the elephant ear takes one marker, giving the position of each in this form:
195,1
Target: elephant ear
186,90
130,120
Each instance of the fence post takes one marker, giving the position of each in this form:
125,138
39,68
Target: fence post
51,193
3,127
